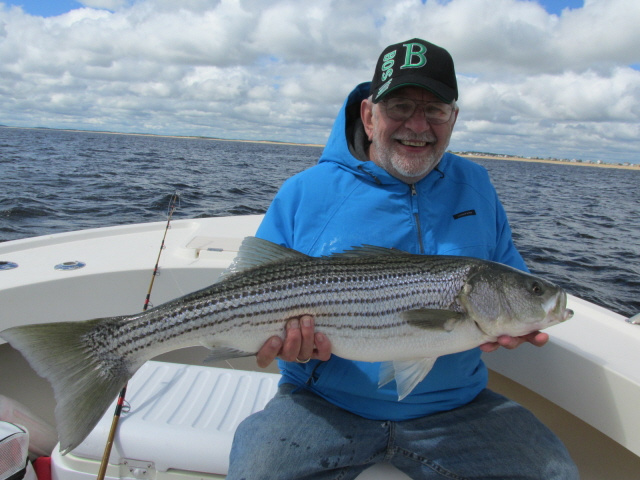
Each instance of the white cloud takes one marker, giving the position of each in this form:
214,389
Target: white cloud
530,82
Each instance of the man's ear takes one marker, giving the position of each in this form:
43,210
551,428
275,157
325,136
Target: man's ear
455,116
366,114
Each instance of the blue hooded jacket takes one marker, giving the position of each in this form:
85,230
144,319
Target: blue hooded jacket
344,201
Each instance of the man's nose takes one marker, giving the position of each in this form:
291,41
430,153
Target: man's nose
418,121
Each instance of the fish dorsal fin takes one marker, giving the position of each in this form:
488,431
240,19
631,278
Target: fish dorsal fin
256,252
433,319
368,251
407,374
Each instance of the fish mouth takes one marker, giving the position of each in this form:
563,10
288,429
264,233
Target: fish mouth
556,309
568,313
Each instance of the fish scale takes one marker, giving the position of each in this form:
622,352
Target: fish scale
336,293
373,304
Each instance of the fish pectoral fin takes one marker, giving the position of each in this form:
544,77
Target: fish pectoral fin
407,374
433,319
225,353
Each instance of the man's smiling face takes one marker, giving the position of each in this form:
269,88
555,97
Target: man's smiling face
408,149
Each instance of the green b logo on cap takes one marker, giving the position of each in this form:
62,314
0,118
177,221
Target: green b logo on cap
414,57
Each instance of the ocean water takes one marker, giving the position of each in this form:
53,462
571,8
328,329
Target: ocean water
576,226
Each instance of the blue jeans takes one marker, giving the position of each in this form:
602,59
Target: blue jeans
300,435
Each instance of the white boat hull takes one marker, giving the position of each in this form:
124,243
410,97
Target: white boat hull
586,378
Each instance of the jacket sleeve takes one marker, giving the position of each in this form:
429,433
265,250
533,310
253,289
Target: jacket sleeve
277,224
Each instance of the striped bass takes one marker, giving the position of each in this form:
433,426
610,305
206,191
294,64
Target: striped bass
374,304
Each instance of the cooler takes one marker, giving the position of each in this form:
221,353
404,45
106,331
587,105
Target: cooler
180,422
180,426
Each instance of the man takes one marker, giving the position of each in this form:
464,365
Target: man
385,178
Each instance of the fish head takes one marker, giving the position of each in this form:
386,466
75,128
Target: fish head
502,300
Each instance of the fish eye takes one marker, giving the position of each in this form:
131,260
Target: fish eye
537,289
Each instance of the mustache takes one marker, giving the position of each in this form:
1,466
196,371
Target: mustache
411,136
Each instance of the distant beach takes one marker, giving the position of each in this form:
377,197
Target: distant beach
557,162
192,137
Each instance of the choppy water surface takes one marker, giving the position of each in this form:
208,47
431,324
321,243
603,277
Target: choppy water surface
578,226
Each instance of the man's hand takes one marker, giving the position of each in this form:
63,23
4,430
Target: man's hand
535,338
301,344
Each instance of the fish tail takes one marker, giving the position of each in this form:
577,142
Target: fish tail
84,384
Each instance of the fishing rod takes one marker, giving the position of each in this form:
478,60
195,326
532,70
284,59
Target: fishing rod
173,205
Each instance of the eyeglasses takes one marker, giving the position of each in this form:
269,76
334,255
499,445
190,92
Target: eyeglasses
402,109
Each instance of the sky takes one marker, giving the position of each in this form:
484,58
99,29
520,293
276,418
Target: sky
539,78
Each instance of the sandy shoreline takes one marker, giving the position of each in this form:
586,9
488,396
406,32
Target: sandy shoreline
187,137
556,162
273,142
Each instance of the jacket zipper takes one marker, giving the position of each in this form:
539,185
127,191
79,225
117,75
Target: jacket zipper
416,216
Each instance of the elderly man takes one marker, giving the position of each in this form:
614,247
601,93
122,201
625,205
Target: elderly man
385,179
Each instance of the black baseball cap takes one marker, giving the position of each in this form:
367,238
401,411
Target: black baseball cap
418,63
